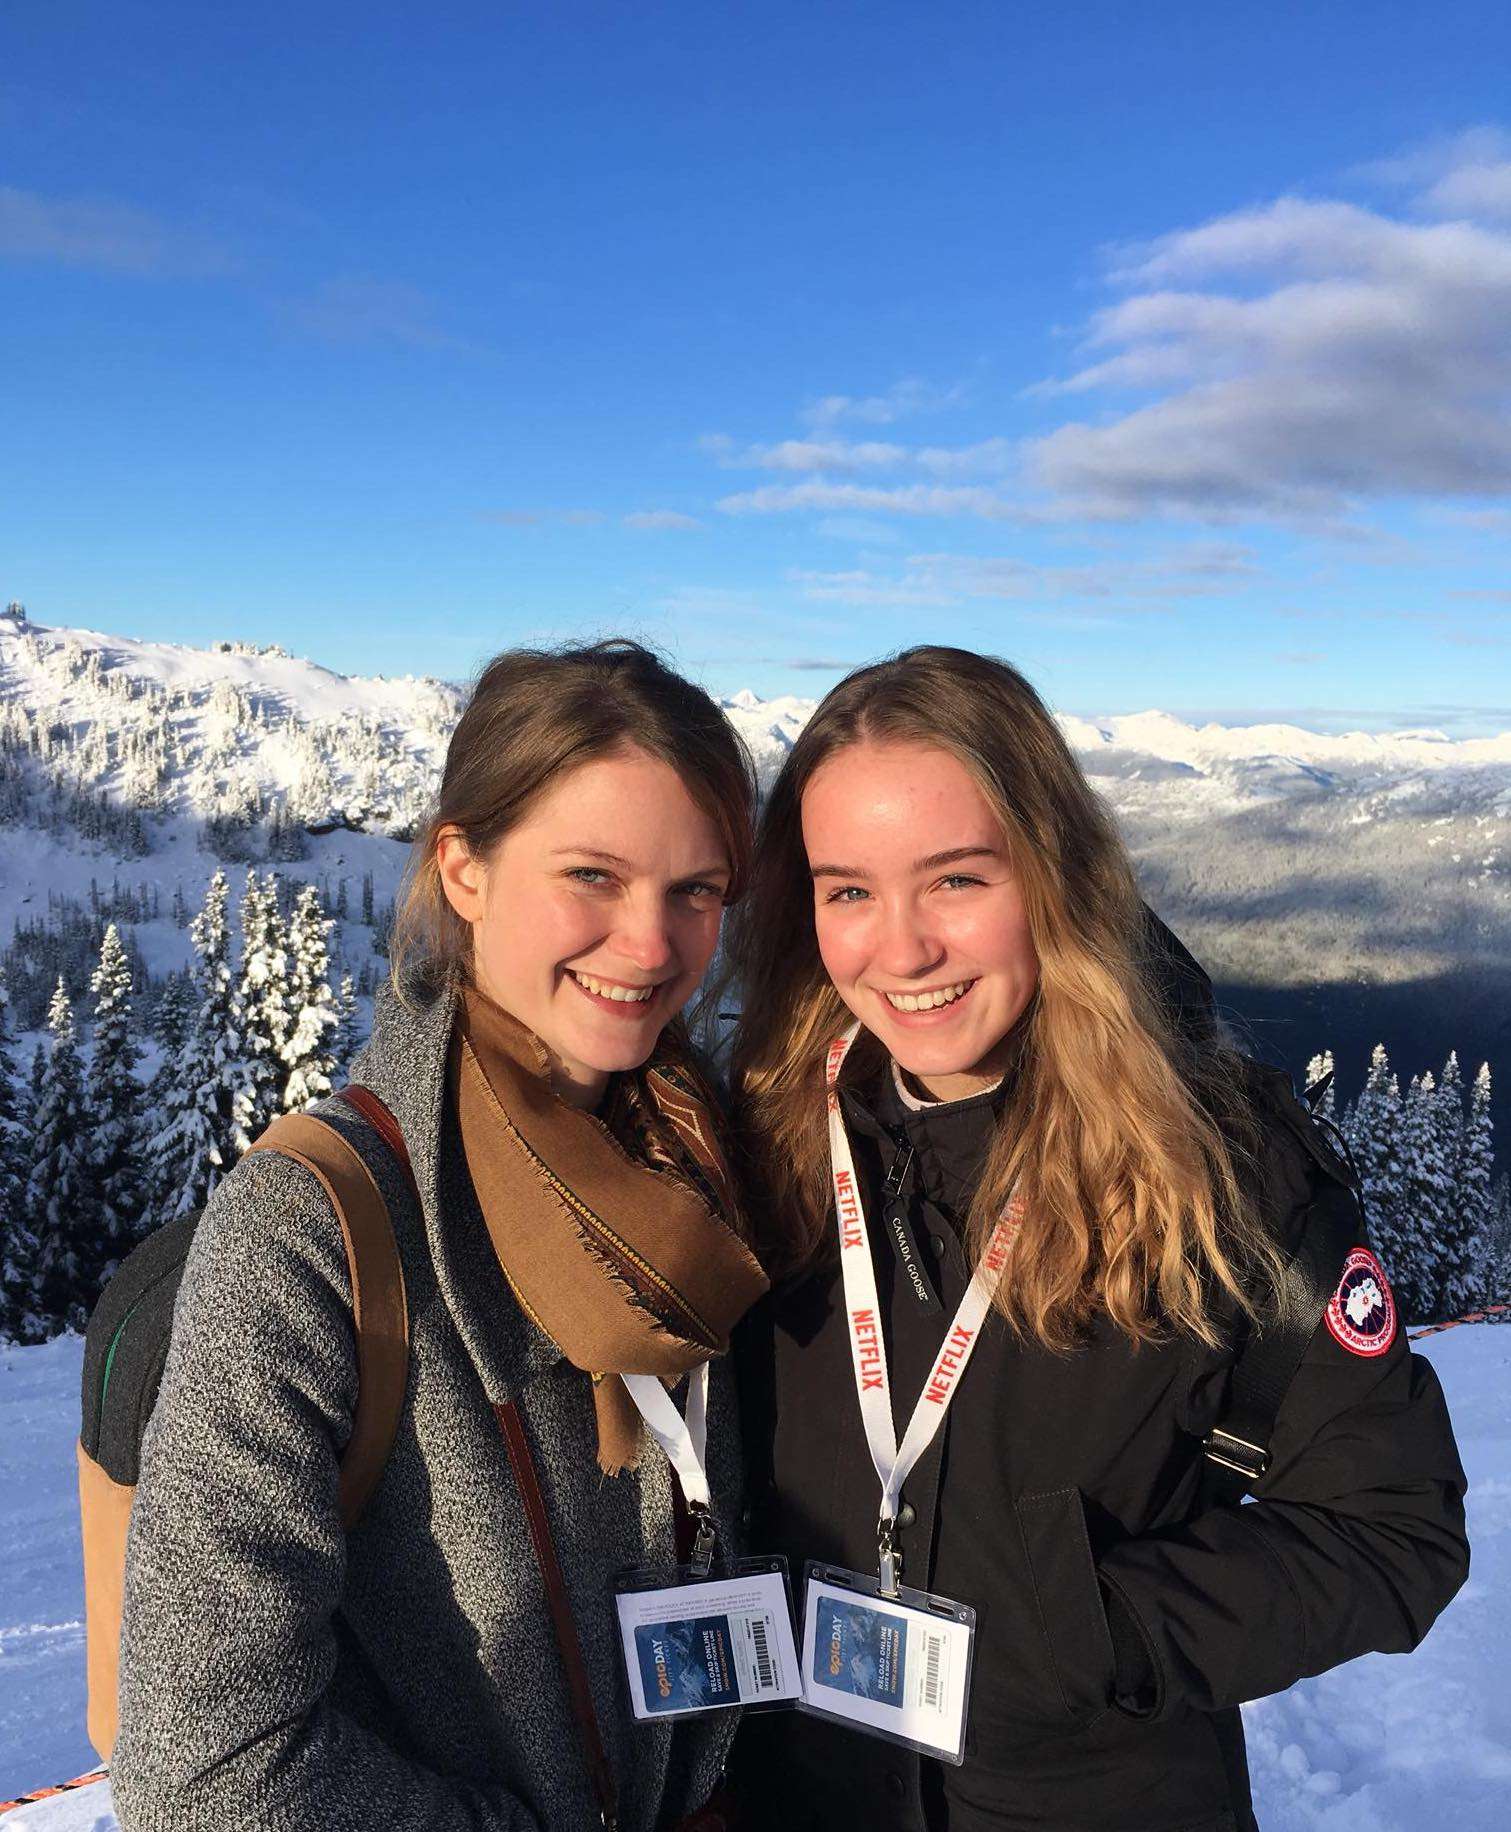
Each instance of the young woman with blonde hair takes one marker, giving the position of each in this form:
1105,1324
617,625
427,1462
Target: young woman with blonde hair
569,1221
1044,1200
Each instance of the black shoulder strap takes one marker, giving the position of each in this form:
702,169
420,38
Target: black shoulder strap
1237,1449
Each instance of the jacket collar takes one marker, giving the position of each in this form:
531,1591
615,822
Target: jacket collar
405,1064
949,1139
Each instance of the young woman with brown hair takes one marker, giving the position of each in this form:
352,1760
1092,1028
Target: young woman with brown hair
569,1221
1035,1130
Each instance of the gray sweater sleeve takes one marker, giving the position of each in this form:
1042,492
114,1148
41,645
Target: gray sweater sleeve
236,1554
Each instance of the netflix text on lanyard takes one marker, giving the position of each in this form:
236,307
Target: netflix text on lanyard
868,1354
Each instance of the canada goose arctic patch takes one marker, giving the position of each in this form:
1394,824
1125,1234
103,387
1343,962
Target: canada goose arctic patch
1362,1312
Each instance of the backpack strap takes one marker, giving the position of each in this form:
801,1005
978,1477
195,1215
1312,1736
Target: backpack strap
379,1309
1237,1449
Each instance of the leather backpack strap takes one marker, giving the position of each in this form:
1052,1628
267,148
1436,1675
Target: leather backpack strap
380,1313
600,1773
372,1109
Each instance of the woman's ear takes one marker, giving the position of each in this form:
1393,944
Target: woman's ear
463,875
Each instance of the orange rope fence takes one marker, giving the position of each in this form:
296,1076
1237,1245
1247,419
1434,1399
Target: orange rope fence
1469,1316
47,1793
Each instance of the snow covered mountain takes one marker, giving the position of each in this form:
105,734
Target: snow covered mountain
1340,886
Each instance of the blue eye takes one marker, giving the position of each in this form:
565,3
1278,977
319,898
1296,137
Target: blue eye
847,893
699,889
588,874
958,878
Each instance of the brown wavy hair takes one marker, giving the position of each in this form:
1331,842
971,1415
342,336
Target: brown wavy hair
535,714
1125,1134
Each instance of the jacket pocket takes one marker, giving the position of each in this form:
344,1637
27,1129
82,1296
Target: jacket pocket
1069,1599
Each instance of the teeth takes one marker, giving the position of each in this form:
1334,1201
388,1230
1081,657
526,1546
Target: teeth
621,995
928,1001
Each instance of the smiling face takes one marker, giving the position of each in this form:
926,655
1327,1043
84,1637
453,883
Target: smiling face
595,917
920,921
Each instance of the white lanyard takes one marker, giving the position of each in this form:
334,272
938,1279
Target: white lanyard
863,1309
685,1441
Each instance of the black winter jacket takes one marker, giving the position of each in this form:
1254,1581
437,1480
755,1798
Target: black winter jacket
1122,1616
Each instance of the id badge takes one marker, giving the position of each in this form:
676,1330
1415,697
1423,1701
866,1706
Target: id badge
898,1667
694,1644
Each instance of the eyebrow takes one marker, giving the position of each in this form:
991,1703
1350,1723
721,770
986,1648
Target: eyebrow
590,852
931,863
721,870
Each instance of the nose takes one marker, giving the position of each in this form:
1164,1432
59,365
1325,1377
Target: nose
643,935
906,945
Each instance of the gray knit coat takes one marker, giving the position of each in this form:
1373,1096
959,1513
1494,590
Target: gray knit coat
277,1674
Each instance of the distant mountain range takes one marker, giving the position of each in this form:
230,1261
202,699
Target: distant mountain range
1340,888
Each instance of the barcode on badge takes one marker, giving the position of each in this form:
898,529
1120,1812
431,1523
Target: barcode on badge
935,1671
761,1669
765,1670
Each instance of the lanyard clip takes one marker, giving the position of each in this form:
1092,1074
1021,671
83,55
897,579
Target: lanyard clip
898,1174
889,1554
703,1540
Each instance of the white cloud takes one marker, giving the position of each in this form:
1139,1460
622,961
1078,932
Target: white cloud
716,604
859,587
1474,190
100,232
987,458
1200,570
1294,363
899,402
857,529
1354,356
812,455
1465,174
654,520
359,310
902,499
1484,521
843,457
535,518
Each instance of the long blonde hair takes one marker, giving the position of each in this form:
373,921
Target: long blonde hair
1124,1136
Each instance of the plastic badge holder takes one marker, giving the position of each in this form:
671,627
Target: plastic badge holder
695,1642
895,1667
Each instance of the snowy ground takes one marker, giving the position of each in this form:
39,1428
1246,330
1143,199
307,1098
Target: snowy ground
1385,1744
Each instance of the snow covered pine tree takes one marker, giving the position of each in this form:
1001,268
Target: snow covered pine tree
20,1316
1372,1127
60,1188
1472,1277
263,1014
1426,1203
306,1052
194,1146
114,1098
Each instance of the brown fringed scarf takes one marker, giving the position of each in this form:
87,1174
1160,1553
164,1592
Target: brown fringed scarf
618,1234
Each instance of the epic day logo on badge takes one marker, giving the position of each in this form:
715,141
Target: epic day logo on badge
1362,1312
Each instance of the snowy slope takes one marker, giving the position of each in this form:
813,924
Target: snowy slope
42,1587
43,666
1385,1744
1202,766
1409,824
45,669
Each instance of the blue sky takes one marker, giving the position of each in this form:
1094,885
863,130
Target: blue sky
1165,350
